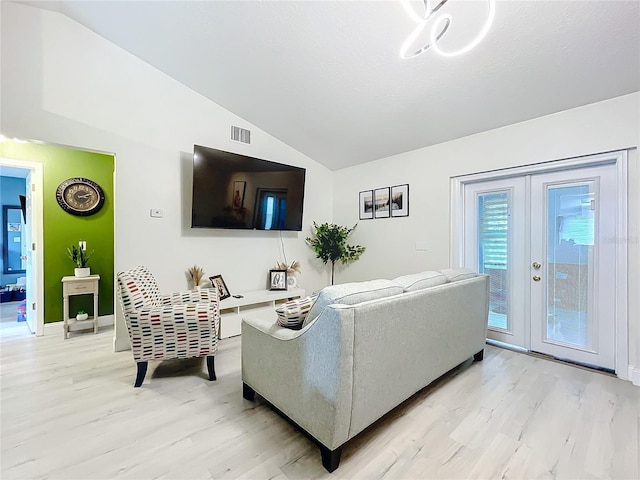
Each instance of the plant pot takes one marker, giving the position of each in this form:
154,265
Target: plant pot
292,282
82,272
82,316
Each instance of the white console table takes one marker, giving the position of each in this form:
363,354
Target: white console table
79,286
264,301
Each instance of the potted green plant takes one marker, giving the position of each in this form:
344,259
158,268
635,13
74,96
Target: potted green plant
82,315
80,258
329,241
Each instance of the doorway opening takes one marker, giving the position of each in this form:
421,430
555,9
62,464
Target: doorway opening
22,247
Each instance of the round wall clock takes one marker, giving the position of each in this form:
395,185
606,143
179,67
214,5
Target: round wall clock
80,196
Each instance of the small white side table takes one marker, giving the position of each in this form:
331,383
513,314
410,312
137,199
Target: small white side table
79,286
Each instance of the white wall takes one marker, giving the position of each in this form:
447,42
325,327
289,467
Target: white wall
61,83
605,126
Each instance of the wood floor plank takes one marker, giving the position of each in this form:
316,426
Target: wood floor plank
68,410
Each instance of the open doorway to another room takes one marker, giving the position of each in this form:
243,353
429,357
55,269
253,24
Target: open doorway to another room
18,287
48,263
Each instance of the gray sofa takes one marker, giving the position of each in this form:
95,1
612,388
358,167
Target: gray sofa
364,348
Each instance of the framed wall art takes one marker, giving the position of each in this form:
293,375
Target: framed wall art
366,205
381,202
400,201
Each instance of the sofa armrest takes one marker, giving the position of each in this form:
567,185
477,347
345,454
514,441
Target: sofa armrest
271,328
307,374
204,295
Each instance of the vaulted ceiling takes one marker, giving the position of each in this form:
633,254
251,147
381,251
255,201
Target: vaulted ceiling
326,77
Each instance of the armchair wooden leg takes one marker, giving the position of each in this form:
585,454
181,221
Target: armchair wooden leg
248,393
142,371
211,368
330,458
477,357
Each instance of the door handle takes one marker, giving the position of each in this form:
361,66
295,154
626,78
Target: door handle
536,278
536,265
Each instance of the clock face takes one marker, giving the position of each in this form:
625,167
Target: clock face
80,196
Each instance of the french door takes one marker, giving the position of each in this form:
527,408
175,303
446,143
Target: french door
546,241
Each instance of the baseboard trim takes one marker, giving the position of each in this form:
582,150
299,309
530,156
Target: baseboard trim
55,328
634,375
121,344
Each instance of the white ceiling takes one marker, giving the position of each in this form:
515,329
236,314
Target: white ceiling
326,78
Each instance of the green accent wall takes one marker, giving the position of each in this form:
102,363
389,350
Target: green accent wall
61,230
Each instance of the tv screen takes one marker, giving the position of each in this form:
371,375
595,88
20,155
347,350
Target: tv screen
236,191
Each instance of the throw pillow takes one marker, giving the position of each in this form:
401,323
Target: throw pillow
292,313
455,274
352,293
420,281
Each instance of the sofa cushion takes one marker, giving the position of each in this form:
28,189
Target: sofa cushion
455,274
352,293
291,314
422,280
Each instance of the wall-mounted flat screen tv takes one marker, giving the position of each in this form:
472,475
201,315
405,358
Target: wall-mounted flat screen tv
236,191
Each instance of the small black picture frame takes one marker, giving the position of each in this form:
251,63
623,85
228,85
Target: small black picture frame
365,201
400,200
218,283
277,280
381,202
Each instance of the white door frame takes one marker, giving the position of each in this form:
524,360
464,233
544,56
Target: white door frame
37,236
620,159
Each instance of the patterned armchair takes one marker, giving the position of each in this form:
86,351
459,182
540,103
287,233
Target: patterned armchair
161,327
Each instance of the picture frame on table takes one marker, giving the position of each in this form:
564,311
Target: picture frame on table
400,200
217,282
381,202
366,205
278,280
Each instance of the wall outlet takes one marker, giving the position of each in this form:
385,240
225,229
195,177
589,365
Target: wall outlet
156,213
83,245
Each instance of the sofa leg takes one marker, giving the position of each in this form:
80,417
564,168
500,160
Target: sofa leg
330,458
478,356
211,368
248,393
142,371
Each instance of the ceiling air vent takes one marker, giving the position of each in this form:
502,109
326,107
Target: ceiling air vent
240,135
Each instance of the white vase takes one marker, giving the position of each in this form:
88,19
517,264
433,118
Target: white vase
82,272
82,316
292,282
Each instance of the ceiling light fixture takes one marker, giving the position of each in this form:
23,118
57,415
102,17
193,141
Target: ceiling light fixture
439,27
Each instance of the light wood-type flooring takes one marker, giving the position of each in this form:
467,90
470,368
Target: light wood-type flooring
68,410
